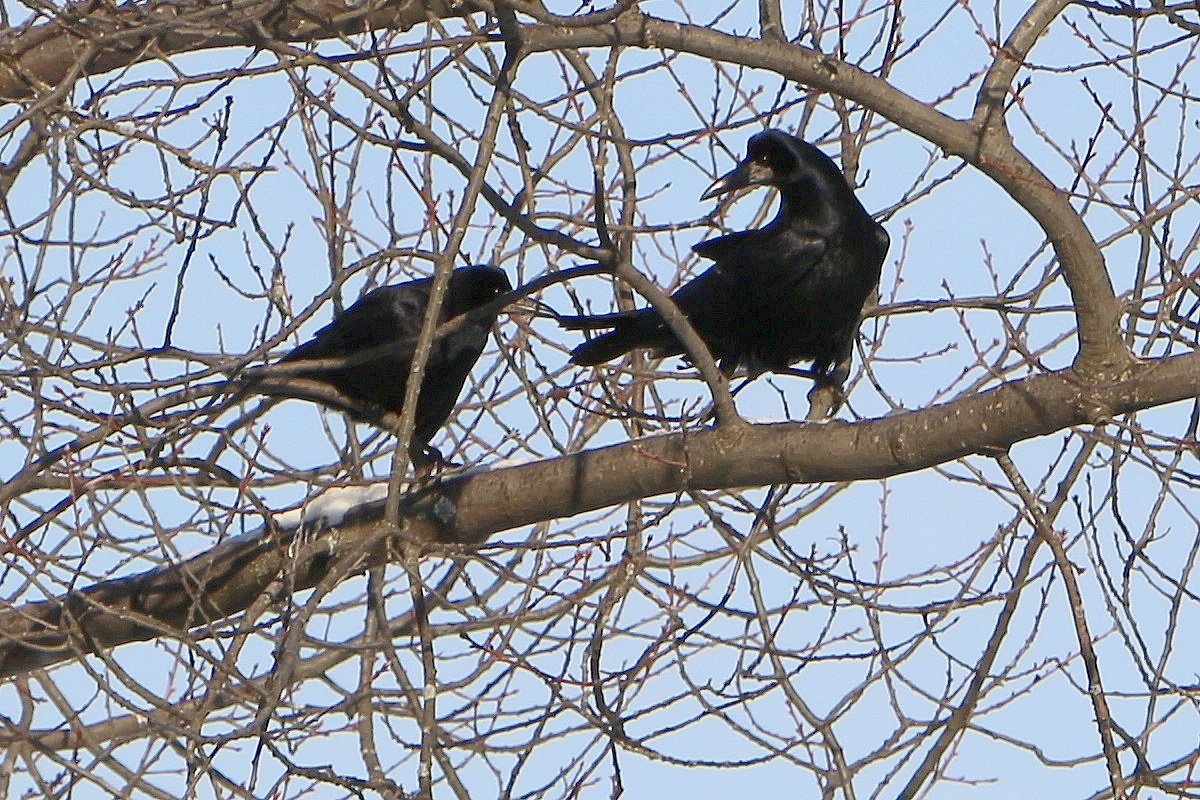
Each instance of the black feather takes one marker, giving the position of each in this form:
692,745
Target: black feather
390,318
790,291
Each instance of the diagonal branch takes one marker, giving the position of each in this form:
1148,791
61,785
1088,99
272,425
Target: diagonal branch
1043,526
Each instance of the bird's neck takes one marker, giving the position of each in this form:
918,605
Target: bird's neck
807,207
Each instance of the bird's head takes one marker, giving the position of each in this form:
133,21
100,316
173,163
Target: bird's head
471,287
775,158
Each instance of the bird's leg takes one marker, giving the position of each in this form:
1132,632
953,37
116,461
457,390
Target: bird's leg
827,395
800,372
427,460
824,400
745,382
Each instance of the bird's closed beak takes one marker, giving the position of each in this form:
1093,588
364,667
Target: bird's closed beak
747,173
533,308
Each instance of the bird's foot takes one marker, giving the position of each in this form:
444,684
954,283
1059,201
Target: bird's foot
428,460
824,400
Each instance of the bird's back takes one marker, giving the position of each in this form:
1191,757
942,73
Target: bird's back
383,315
385,324
386,318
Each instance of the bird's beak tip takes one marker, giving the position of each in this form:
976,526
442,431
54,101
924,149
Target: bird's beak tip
717,189
743,176
738,178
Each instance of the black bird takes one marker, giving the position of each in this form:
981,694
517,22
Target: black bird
790,291
389,319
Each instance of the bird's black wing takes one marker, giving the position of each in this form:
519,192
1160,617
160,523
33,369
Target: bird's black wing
882,241
774,263
719,247
388,314
766,259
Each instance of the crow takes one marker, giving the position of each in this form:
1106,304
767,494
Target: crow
790,291
388,321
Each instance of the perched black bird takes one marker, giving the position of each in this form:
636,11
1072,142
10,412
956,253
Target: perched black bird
791,291
389,318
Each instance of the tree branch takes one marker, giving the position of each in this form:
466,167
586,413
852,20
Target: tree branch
466,508
35,56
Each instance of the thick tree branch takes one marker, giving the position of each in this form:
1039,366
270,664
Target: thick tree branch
37,57
1010,56
467,508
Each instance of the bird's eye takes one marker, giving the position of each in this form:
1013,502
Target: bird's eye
763,158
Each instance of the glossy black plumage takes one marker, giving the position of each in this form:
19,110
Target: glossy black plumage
790,291
391,317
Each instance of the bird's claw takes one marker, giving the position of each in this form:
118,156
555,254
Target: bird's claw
824,400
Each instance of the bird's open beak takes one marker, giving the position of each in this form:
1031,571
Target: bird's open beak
747,173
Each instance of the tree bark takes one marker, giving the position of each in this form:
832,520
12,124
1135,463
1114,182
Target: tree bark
92,38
